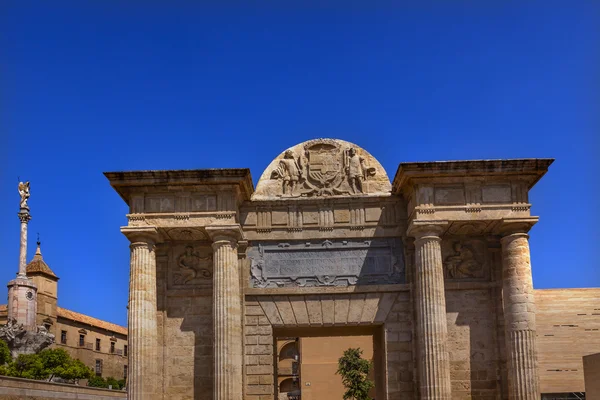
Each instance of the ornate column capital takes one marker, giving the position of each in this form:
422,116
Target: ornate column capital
518,226
24,217
142,234
221,234
426,229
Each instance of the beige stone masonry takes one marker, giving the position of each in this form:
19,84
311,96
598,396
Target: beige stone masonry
519,311
227,316
430,301
142,323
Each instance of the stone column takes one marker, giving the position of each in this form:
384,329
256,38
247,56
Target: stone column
142,321
519,312
24,217
430,301
227,317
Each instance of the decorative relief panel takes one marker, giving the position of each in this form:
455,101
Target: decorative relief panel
190,265
465,259
326,263
322,167
496,194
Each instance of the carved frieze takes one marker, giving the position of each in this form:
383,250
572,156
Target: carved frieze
465,259
190,265
326,263
322,167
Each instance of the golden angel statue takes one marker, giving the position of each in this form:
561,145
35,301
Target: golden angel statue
24,192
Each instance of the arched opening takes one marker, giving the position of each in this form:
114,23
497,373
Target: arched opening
289,351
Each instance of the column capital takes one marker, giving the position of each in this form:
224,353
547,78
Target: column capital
422,229
225,233
141,234
515,226
24,216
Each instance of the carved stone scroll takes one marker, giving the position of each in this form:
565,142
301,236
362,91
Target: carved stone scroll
326,263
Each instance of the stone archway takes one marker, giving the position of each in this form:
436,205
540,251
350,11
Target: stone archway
386,316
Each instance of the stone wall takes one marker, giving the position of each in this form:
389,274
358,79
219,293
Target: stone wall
26,389
472,344
568,323
112,363
185,337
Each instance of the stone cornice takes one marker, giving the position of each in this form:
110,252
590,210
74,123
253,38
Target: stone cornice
531,168
225,232
148,234
124,181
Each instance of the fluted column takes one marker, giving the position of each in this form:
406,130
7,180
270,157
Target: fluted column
519,313
142,321
430,300
227,319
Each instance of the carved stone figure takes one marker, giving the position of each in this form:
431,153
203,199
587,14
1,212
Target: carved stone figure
24,193
289,171
463,264
356,169
22,341
190,266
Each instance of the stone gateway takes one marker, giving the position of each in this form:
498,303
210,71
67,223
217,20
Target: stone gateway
433,266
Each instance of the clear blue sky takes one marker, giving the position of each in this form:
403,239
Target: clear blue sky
88,87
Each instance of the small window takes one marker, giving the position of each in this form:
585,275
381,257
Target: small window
98,367
125,350
63,337
112,347
81,340
97,344
124,371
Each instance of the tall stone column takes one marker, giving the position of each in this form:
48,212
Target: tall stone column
24,217
430,300
142,320
519,313
227,316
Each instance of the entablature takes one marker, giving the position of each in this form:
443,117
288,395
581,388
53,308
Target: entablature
482,190
299,218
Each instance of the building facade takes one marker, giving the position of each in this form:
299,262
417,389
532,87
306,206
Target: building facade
100,345
433,266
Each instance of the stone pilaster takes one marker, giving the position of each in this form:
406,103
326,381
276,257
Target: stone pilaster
430,302
227,316
142,320
519,312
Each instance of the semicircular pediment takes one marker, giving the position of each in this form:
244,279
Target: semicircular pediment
322,167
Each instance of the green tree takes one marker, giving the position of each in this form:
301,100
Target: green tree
27,366
55,361
5,356
97,381
74,371
354,371
110,381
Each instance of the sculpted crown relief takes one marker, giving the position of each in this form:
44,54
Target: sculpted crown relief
323,167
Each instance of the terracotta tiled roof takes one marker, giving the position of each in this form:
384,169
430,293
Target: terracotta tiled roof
75,316
37,265
3,308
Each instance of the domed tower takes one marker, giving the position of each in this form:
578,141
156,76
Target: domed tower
47,284
22,291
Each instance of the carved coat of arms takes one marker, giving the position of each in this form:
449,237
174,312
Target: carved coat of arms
325,169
